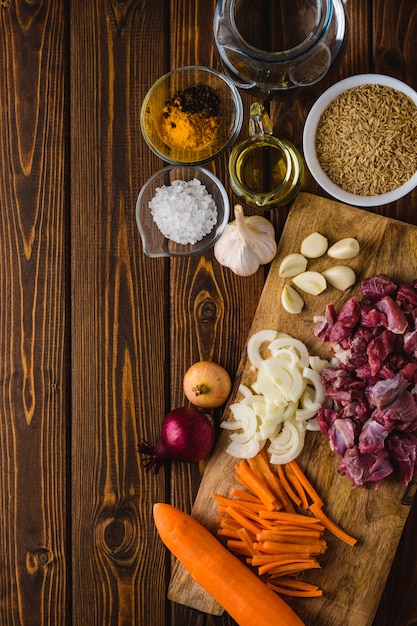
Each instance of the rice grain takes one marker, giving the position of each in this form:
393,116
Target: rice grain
366,139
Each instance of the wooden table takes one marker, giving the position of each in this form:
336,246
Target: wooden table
95,336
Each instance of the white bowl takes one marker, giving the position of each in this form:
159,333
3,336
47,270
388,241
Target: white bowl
309,141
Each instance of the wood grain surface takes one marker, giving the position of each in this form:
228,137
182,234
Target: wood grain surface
95,336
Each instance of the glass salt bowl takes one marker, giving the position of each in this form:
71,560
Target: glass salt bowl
155,244
212,121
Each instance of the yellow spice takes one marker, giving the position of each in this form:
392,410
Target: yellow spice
186,131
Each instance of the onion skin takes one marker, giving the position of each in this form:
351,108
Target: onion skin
207,384
187,435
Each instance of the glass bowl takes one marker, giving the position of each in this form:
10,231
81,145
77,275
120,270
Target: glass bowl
310,152
191,115
170,207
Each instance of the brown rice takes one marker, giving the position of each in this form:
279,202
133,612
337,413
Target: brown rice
366,139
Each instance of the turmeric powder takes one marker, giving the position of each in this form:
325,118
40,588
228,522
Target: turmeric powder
189,120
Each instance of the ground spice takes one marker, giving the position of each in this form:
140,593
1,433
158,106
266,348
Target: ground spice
190,119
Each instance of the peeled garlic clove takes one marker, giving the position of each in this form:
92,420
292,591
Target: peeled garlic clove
310,282
291,300
292,264
344,249
340,276
314,246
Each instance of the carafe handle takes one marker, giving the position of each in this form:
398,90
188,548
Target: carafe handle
259,120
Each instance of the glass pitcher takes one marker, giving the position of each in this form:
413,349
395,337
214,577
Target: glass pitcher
280,44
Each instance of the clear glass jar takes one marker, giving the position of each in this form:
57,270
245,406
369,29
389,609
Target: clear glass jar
278,45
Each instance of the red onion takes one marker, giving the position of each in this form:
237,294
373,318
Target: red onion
187,435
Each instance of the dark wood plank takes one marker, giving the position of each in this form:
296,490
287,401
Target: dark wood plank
119,317
34,385
211,308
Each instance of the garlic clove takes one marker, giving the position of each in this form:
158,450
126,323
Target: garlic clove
340,276
292,264
310,282
291,300
314,246
344,249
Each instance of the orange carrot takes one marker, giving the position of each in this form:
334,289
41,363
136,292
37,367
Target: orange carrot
238,590
332,526
260,465
305,482
240,504
268,567
257,486
289,490
296,483
243,520
244,495
285,589
285,516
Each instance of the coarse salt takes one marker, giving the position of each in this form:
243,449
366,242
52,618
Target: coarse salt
184,211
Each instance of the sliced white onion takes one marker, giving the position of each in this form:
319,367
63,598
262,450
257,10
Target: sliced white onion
288,444
291,342
315,378
281,403
255,344
245,450
244,390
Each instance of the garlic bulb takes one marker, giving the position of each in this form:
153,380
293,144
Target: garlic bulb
246,243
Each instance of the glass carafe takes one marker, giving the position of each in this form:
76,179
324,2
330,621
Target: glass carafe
278,44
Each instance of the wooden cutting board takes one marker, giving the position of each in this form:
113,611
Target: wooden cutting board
353,579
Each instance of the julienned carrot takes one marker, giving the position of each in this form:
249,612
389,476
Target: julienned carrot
260,465
240,504
247,523
290,491
296,483
286,516
332,526
267,567
239,591
244,495
258,487
308,487
286,589
286,542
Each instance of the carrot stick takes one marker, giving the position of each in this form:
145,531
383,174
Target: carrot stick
248,540
260,465
296,518
300,593
292,537
238,590
275,547
295,568
332,526
305,482
296,583
258,487
296,483
244,495
225,501
267,567
239,547
242,519
231,533
289,490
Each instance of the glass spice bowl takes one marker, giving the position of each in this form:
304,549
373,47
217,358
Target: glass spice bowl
191,115
155,243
